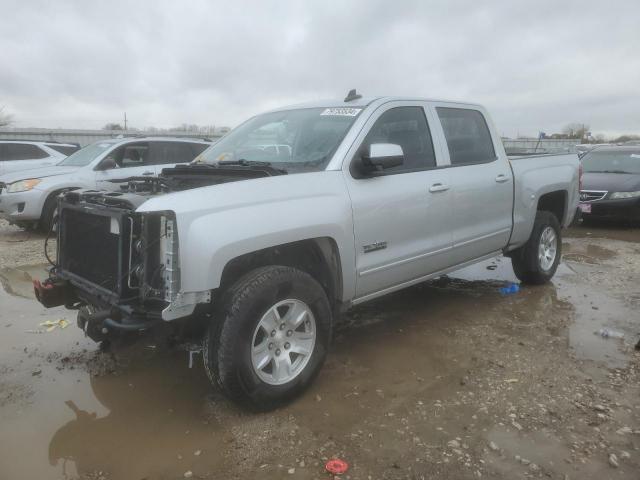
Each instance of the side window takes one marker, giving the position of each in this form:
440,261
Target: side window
407,127
130,155
134,155
173,152
24,151
467,134
3,152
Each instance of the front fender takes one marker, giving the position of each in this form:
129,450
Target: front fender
246,216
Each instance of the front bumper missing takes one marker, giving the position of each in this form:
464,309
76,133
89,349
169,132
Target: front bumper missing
56,291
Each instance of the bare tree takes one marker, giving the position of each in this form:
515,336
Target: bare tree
576,130
112,126
5,118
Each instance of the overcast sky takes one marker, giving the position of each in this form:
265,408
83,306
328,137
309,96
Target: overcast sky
537,65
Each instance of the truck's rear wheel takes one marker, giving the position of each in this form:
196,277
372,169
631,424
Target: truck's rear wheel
537,260
270,337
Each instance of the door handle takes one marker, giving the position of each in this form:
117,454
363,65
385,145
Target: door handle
148,173
438,187
502,178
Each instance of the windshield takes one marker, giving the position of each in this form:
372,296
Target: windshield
85,155
292,140
611,162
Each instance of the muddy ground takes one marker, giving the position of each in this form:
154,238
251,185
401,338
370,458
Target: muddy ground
448,379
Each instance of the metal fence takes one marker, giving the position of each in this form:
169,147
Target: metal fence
85,137
545,145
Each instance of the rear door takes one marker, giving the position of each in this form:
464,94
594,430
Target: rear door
25,156
401,217
132,160
481,183
166,154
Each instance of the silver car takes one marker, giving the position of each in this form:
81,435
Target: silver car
18,155
28,198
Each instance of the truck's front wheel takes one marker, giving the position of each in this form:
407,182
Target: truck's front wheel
270,337
537,260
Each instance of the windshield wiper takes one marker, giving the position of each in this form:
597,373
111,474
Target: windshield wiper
252,164
607,171
244,163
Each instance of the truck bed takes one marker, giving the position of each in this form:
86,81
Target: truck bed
534,176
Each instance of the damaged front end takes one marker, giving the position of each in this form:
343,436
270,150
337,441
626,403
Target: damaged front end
121,265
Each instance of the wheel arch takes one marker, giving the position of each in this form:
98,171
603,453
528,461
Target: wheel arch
57,191
554,202
319,257
51,196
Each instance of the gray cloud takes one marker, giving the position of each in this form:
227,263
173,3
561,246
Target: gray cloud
535,65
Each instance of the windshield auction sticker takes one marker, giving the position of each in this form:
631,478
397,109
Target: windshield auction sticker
341,112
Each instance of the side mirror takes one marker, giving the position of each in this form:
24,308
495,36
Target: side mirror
108,164
382,156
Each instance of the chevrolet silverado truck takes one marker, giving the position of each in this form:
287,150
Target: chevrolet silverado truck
264,247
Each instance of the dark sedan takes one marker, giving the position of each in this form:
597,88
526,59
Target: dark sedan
611,183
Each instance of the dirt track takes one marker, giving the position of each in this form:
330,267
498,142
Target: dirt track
448,379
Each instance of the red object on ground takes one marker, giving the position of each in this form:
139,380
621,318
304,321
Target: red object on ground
336,466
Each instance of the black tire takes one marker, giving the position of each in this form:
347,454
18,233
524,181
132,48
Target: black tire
525,261
227,345
48,213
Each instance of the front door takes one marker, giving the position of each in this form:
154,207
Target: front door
131,160
401,217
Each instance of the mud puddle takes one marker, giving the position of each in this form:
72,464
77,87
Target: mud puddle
519,455
417,385
18,280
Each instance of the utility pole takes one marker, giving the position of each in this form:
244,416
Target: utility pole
125,121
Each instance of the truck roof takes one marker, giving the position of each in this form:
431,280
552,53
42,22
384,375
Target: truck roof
365,102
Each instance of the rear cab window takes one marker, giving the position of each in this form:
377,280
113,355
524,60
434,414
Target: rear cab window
467,134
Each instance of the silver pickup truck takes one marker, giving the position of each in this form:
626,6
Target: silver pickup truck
262,248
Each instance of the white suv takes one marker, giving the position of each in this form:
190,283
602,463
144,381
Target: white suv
28,198
18,155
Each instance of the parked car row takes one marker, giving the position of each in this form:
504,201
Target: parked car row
28,197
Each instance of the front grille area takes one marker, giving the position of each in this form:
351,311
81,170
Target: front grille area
91,248
592,195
